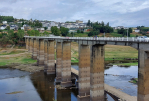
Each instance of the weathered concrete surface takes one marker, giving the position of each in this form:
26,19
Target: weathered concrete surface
143,76
66,65
34,55
51,58
45,54
58,61
84,73
27,42
123,96
97,73
31,42
41,53
37,41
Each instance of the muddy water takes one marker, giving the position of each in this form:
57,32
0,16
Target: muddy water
18,85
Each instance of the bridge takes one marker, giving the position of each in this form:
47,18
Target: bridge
91,62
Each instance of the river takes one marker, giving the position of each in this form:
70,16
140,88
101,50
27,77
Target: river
16,85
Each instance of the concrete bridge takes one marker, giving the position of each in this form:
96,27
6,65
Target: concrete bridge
91,62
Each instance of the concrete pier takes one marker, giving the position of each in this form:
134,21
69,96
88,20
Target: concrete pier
84,73
51,58
97,73
45,54
66,65
26,41
58,61
143,75
41,52
34,52
37,41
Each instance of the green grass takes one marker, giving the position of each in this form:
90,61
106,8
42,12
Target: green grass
28,60
12,52
85,34
115,34
128,64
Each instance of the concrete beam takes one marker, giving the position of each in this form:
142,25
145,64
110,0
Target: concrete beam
51,58
66,65
97,73
58,61
143,75
84,73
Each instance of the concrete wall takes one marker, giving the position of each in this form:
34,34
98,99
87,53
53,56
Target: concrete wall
41,52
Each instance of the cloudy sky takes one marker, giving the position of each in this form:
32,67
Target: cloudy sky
129,13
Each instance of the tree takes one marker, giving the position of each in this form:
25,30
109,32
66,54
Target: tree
55,31
130,30
88,23
45,33
72,34
45,28
20,34
78,31
8,27
64,31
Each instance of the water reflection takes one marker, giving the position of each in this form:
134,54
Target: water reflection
47,89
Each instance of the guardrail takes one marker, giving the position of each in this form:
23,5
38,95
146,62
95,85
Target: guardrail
132,39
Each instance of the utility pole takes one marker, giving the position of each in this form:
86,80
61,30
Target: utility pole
127,34
104,34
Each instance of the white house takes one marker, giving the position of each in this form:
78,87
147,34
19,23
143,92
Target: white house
137,30
3,27
4,22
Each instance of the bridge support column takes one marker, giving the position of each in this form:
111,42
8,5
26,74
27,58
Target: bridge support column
34,55
84,73
51,58
30,50
37,41
66,65
97,73
45,54
41,52
29,43
26,41
143,75
58,61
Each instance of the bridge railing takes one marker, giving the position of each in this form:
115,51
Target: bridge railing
132,39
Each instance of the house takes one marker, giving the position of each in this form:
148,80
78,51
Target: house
13,27
26,27
137,30
4,22
3,27
78,21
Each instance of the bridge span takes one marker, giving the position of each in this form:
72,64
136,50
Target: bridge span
91,62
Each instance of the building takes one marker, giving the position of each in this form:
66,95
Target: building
3,27
4,22
78,21
137,30
26,27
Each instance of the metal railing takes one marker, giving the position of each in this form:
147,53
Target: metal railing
129,39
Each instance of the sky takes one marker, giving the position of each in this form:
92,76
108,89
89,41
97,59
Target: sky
128,13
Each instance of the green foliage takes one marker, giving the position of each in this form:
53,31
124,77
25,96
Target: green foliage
8,27
78,31
124,32
45,28
130,30
20,34
6,18
93,33
55,31
89,23
100,28
33,32
46,33
64,31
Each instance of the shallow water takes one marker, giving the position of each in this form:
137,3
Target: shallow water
41,87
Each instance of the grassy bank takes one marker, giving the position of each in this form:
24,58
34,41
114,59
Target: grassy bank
127,64
15,57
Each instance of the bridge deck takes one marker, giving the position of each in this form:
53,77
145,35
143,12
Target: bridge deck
113,91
